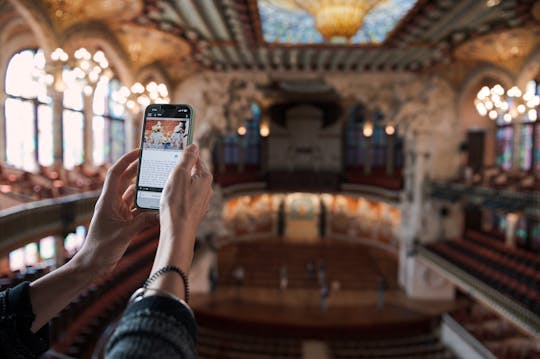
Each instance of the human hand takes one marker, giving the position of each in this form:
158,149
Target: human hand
184,203
115,221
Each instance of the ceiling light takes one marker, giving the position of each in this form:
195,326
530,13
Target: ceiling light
338,18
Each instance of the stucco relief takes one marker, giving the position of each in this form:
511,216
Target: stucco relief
422,106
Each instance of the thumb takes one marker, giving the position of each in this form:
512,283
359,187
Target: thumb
191,155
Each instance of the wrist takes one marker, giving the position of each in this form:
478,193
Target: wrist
82,271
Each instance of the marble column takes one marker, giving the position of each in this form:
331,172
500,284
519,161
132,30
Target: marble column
3,156
59,255
87,130
58,128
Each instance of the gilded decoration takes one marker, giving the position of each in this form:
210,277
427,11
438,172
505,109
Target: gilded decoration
146,46
66,13
507,49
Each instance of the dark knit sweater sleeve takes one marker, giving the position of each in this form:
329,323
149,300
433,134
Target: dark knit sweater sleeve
16,317
154,327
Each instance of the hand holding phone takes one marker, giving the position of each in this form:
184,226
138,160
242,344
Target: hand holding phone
166,132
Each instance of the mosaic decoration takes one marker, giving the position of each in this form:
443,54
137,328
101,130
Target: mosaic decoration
284,22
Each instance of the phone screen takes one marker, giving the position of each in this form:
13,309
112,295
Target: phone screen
166,134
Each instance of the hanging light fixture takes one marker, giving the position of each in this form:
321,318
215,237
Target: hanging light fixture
338,18
90,68
511,105
138,96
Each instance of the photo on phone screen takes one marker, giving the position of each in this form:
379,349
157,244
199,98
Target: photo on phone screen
163,143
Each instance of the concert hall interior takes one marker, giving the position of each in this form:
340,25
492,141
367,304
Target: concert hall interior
376,168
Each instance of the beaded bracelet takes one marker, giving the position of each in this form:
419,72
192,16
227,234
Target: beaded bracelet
170,268
139,294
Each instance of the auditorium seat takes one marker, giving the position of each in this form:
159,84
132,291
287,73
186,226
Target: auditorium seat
512,272
407,346
498,336
227,344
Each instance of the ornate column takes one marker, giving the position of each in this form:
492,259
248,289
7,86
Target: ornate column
58,126
88,133
59,255
3,156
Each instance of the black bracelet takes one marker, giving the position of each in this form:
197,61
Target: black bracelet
170,268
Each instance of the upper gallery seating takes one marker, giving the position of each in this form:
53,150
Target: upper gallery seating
49,182
225,344
511,271
354,266
497,178
496,334
407,346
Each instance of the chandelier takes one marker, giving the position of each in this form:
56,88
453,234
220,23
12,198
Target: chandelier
338,18
86,69
138,96
508,106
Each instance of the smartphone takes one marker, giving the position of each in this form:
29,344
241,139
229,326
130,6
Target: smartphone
166,132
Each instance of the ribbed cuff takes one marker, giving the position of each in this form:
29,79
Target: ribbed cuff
167,306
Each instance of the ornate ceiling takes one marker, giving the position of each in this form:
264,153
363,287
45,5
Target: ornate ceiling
184,36
285,22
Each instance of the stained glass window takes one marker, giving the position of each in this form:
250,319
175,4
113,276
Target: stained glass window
284,22
73,124
355,142
108,124
525,147
504,147
537,148
535,236
379,141
72,121
46,247
27,97
231,149
252,139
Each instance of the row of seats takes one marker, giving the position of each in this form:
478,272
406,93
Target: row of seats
50,182
497,178
224,344
496,334
407,346
353,266
490,270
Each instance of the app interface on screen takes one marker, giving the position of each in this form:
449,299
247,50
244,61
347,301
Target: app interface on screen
163,145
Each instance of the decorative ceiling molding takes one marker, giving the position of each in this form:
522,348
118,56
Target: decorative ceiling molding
506,49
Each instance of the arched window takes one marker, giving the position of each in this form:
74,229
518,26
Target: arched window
379,141
29,136
72,120
518,145
108,123
250,142
252,138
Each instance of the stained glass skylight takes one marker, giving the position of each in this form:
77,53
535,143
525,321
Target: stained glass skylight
284,22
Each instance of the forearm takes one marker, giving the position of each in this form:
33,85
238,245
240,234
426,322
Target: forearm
179,253
53,292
